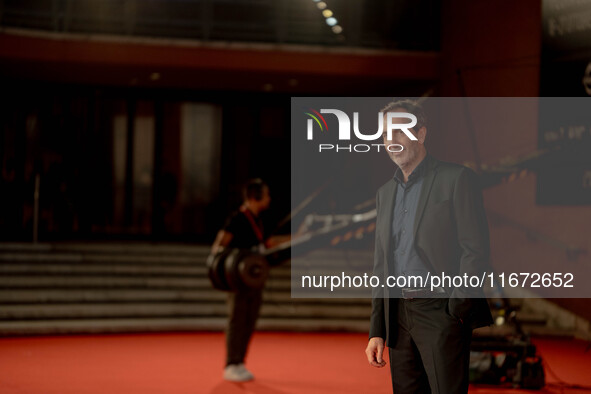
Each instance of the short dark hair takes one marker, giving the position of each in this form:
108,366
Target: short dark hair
410,106
254,189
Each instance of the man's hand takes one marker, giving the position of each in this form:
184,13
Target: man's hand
375,351
222,240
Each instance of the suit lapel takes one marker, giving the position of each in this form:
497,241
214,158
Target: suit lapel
424,196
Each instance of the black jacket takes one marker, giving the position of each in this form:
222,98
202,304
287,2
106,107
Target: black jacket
450,234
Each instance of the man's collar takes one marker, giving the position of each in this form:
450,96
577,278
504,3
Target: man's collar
417,173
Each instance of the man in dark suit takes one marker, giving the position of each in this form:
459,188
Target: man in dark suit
430,220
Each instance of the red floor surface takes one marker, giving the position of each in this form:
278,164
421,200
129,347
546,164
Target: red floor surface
284,363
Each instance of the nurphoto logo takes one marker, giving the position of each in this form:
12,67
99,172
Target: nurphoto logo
344,133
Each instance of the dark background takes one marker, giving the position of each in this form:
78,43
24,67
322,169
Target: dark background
81,79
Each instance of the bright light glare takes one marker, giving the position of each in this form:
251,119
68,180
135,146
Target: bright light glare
337,29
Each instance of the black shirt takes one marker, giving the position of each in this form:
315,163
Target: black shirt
406,260
244,235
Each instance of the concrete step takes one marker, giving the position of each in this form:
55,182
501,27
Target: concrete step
102,288
99,258
20,296
84,268
105,247
95,326
87,269
109,281
107,269
212,309
105,295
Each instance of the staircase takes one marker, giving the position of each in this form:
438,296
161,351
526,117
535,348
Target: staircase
107,288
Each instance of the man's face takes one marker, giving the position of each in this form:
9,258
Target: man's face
411,148
265,200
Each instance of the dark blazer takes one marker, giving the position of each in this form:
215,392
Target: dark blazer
450,235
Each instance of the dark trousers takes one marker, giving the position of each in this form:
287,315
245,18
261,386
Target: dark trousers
432,349
244,307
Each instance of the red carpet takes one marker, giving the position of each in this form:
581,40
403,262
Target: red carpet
284,363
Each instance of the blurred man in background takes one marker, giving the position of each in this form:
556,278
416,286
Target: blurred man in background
244,229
